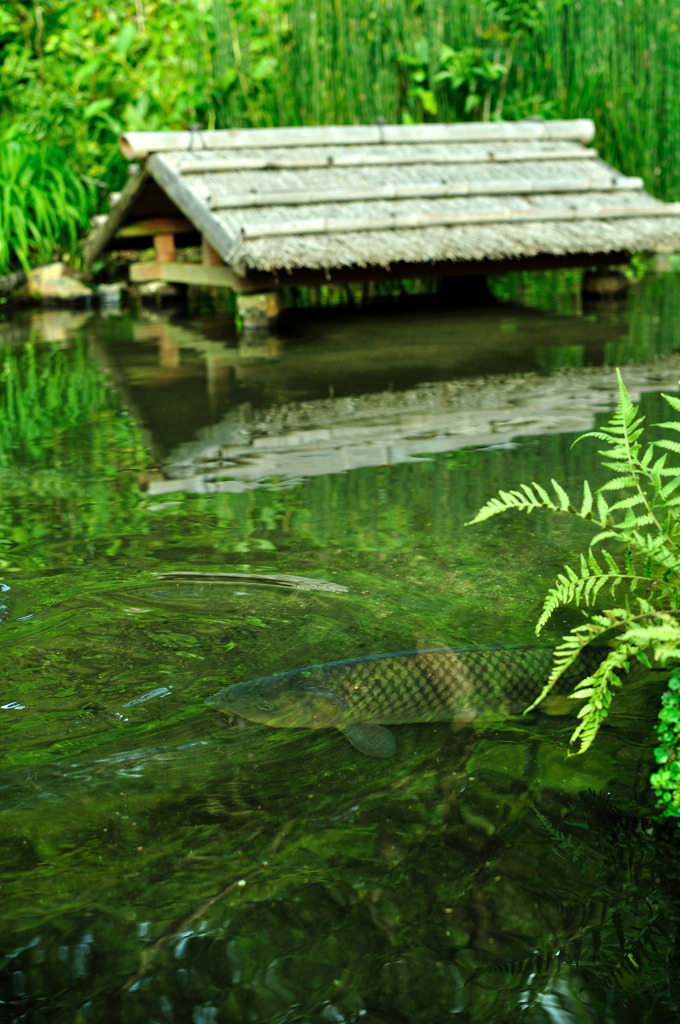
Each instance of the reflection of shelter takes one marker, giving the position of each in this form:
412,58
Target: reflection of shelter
334,435
293,206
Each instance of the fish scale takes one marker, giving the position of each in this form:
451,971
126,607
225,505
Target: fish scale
362,695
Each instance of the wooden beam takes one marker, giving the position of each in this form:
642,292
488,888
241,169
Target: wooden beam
192,273
258,281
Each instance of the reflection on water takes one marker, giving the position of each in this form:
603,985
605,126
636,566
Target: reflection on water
160,861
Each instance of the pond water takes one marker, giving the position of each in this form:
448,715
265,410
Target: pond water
159,861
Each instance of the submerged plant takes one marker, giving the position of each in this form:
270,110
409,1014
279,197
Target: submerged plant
632,561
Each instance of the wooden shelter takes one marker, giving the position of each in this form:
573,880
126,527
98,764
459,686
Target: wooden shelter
278,207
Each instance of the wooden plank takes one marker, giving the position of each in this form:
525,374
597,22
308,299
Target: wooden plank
329,225
425,190
139,145
192,274
140,273
156,226
373,158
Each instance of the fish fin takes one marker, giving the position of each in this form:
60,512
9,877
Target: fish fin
373,740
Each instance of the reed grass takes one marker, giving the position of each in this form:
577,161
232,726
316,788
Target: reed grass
337,61
44,202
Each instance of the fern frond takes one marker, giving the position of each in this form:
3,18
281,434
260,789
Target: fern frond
671,486
672,401
619,483
587,505
531,496
598,692
565,504
671,446
668,425
602,508
604,535
630,502
611,563
648,456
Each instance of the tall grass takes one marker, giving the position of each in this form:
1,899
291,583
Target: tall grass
44,202
342,61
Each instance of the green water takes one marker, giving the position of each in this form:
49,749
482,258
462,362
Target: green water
161,863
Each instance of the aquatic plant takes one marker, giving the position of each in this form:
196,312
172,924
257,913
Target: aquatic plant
639,571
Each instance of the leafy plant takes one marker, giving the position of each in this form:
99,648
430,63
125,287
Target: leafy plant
418,92
43,202
638,570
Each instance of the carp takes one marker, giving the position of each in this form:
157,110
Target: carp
361,696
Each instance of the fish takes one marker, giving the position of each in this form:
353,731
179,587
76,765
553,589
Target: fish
361,696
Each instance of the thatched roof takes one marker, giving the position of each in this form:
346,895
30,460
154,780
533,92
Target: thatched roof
281,200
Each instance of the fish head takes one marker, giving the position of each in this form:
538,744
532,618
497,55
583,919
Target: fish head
282,703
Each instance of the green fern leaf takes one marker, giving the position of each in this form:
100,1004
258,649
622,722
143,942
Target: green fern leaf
668,488
562,496
648,519
630,502
604,535
544,496
659,466
673,401
587,506
602,508
647,457
619,483
593,563
611,563
672,446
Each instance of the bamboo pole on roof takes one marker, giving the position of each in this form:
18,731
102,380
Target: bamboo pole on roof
368,158
138,145
444,189
330,226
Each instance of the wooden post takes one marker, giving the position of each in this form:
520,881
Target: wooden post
164,247
260,310
210,257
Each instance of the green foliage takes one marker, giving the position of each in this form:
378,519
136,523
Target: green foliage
71,79
74,75
637,575
43,201
666,781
